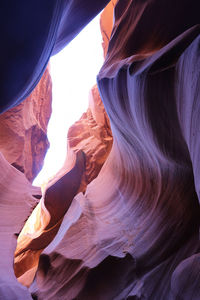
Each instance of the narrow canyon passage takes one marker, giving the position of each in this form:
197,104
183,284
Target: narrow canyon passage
73,73
121,219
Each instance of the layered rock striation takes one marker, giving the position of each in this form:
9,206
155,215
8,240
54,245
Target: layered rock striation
133,232
23,130
90,135
16,203
140,216
89,143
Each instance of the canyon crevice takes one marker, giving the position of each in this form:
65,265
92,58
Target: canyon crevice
120,220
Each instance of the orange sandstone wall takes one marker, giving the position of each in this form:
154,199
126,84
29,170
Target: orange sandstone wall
92,135
133,233
106,24
23,129
91,139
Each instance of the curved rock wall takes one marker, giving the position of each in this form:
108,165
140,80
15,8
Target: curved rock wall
133,232
17,202
92,135
106,24
91,139
23,130
140,216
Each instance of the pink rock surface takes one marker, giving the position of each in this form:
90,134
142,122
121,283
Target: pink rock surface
133,233
23,130
91,134
16,204
44,222
140,217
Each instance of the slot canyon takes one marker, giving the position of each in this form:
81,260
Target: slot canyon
120,219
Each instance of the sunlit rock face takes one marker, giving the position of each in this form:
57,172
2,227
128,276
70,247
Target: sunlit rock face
92,134
133,232
45,221
23,130
106,24
91,139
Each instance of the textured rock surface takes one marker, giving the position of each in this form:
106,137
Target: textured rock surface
44,222
134,232
92,134
106,23
140,216
23,129
16,203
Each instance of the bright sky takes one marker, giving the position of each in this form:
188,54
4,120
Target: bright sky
73,73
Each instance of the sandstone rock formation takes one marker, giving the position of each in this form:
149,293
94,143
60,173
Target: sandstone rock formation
140,216
133,233
92,134
44,222
16,203
106,24
23,130
31,35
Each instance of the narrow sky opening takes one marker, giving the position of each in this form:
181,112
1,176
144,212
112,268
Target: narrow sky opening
73,73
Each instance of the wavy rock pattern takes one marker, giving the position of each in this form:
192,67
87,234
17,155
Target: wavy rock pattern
23,129
90,134
16,203
134,232
140,216
43,224
31,32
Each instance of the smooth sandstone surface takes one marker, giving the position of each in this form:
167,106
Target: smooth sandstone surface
43,224
92,135
30,33
140,216
133,232
106,24
17,202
